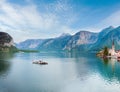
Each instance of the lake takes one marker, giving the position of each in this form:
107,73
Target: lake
65,72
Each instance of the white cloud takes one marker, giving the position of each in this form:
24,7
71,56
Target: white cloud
25,17
30,21
27,21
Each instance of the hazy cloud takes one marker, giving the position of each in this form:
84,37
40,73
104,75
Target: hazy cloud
27,18
44,20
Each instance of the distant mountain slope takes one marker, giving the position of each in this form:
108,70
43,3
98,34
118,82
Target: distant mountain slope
106,40
81,41
30,43
81,38
105,31
57,43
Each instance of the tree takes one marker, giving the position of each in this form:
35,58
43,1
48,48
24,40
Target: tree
105,52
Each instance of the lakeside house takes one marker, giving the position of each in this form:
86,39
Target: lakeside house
112,52
109,52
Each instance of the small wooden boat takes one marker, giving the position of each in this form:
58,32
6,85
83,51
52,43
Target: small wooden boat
40,62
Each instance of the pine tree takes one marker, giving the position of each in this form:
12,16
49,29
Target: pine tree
105,52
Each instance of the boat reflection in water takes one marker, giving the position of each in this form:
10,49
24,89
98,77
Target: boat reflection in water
40,62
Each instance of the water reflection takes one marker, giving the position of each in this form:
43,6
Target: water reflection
109,69
65,72
4,63
85,63
105,61
4,67
60,54
6,56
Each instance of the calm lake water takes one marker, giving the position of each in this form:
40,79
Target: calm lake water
65,72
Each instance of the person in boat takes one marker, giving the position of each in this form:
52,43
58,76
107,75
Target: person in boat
40,61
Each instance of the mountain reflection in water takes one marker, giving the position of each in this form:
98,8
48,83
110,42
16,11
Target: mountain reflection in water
65,72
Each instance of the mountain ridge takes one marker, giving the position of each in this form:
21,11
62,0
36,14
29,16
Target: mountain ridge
80,41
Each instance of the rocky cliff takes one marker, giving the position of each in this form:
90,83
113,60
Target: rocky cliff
6,43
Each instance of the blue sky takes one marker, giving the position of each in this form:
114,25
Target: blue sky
32,19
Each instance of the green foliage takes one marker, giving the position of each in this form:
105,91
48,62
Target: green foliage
105,51
8,49
29,51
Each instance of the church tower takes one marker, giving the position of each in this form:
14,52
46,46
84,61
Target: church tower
113,48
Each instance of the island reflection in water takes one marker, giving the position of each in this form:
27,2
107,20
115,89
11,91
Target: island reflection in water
65,72
111,68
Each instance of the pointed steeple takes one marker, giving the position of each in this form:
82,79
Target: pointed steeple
113,43
113,48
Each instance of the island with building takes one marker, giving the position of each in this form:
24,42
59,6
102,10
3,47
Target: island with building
109,52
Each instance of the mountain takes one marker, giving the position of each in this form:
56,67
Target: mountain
105,31
106,39
6,43
81,38
30,44
81,41
63,42
57,43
